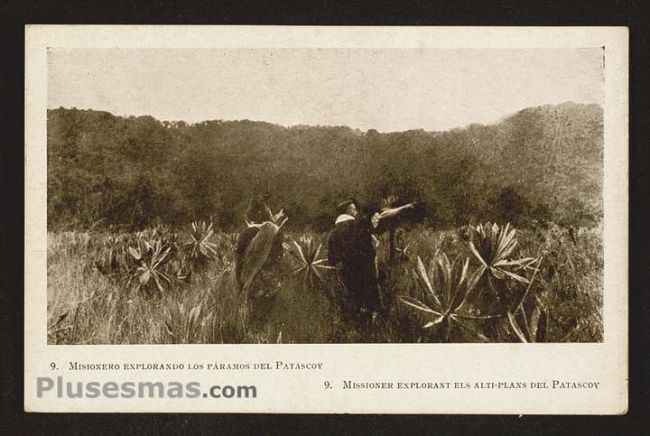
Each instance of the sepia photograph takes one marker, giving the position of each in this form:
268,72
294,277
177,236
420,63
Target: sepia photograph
245,219
325,195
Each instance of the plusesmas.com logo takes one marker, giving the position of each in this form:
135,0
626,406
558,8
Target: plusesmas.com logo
60,388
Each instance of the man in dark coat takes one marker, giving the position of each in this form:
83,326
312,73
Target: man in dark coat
353,244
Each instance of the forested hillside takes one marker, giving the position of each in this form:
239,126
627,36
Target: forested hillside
541,163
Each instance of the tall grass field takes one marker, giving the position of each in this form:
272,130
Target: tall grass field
481,283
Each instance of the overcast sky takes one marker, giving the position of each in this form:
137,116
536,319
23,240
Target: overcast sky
387,90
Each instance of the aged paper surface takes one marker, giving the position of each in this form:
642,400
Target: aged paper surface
147,148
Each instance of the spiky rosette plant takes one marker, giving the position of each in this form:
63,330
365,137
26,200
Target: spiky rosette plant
150,258
448,285
494,247
533,328
305,254
200,249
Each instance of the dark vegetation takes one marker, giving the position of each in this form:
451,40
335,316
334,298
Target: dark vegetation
541,163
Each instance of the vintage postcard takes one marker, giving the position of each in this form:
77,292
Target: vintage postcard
326,219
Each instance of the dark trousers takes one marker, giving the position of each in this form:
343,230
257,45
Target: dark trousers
360,280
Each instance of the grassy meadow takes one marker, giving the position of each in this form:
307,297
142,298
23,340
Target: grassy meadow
485,283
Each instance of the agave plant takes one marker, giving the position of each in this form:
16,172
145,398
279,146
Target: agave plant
448,285
493,247
150,258
534,329
305,252
199,247
530,329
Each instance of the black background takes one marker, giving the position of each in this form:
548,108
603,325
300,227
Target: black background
15,14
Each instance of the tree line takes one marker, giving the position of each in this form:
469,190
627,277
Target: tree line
542,163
